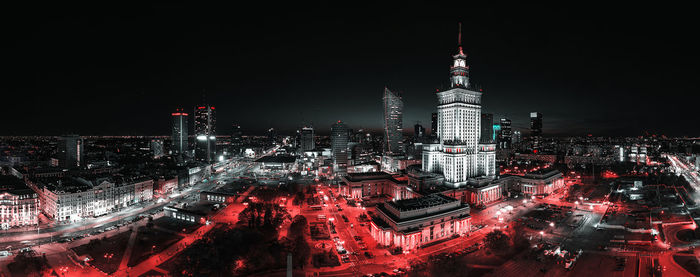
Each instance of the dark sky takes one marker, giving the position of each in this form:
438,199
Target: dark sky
111,70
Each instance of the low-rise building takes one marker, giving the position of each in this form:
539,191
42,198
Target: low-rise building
411,223
70,199
188,215
165,186
369,184
217,197
19,205
541,182
480,192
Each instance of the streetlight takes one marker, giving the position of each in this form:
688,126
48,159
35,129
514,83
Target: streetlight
541,235
551,224
108,256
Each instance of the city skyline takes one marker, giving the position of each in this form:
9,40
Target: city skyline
384,140
585,75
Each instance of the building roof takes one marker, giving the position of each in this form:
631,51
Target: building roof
364,176
542,173
13,185
421,202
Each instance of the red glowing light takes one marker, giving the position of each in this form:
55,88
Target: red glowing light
200,108
179,114
534,151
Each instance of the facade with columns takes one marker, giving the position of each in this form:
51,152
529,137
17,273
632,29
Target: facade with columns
411,223
369,184
459,153
483,191
541,182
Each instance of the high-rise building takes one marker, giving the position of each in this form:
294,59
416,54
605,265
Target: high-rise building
307,139
535,124
433,125
505,137
393,123
157,148
180,144
272,135
517,137
71,151
418,131
205,132
536,130
339,147
459,155
237,135
486,128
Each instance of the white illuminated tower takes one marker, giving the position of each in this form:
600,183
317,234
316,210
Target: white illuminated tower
459,155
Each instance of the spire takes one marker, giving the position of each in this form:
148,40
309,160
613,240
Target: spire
459,39
459,35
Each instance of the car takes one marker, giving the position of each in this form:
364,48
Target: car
368,255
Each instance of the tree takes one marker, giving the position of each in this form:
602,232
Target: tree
497,241
267,220
298,227
301,252
299,198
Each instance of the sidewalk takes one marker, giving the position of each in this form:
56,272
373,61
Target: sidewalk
129,249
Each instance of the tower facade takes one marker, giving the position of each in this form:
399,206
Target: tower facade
536,130
433,125
535,124
339,147
486,127
180,144
393,123
205,130
71,151
307,141
459,155
505,136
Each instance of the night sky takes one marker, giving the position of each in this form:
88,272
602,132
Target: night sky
109,70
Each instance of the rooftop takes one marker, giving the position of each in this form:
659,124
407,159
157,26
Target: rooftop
542,173
363,176
421,202
13,185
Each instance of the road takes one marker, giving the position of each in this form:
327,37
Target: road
45,240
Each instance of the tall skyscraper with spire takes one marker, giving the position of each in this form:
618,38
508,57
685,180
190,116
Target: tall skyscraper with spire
205,131
180,133
393,123
459,153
